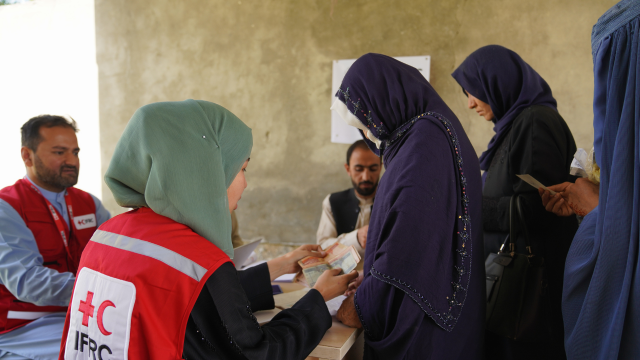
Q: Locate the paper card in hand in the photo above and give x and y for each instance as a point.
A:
(535, 183)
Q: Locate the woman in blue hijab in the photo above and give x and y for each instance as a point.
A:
(602, 280)
(422, 295)
(530, 138)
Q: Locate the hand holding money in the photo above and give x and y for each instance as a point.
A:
(555, 203)
(289, 262)
(331, 284)
(338, 257)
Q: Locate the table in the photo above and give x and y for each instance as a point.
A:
(340, 342)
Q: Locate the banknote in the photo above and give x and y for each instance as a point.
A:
(341, 256)
(338, 256)
(312, 274)
(347, 262)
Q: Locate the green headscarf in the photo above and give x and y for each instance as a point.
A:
(179, 158)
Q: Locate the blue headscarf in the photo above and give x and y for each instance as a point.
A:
(500, 78)
(601, 294)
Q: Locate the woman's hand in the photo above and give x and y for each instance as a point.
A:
(580, 197)
(347, 313)
(331, 284)
(288, 263)
(353, 286)
(555, 203)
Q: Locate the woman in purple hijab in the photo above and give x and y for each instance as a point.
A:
(530, 138)
(423, 292)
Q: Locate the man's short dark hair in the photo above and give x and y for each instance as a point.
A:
(31, 129)
(360, 144)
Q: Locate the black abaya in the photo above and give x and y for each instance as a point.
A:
(540, 144)
(222, 325)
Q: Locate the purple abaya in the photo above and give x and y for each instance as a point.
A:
(422, 296)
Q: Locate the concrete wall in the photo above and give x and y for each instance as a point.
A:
(269, 62)
(48, 66)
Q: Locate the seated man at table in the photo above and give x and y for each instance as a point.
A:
(345, 214)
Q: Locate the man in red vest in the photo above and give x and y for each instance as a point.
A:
(45, 223)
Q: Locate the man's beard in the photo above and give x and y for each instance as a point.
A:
(367, 191)
(53, 178)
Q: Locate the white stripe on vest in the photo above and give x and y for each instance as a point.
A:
(141, 247)
(27, 315)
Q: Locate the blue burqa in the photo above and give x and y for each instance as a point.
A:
(601, 296)
(422, 296)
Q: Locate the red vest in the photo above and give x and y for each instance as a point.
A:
(139, 278)
(34, 210)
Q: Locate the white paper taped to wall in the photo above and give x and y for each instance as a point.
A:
(341, 132)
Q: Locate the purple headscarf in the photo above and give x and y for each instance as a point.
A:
(500, 78)
(425, 235)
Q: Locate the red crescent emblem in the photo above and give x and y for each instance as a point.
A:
(101, 309)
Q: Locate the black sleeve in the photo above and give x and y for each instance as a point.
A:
(542, 146)
(256, 282)
(223, 319)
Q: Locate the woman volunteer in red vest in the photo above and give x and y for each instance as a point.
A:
(157, 282)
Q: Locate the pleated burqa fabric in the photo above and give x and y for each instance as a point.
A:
(179, 158)
(601, 294)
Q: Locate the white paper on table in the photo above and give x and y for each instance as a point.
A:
(242, 253)
(334, 304)
(535, 183)
(251, 259)
(285, 278)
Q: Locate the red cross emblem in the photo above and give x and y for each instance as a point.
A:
(86, 308)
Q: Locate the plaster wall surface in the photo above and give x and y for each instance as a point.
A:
(270, 62)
